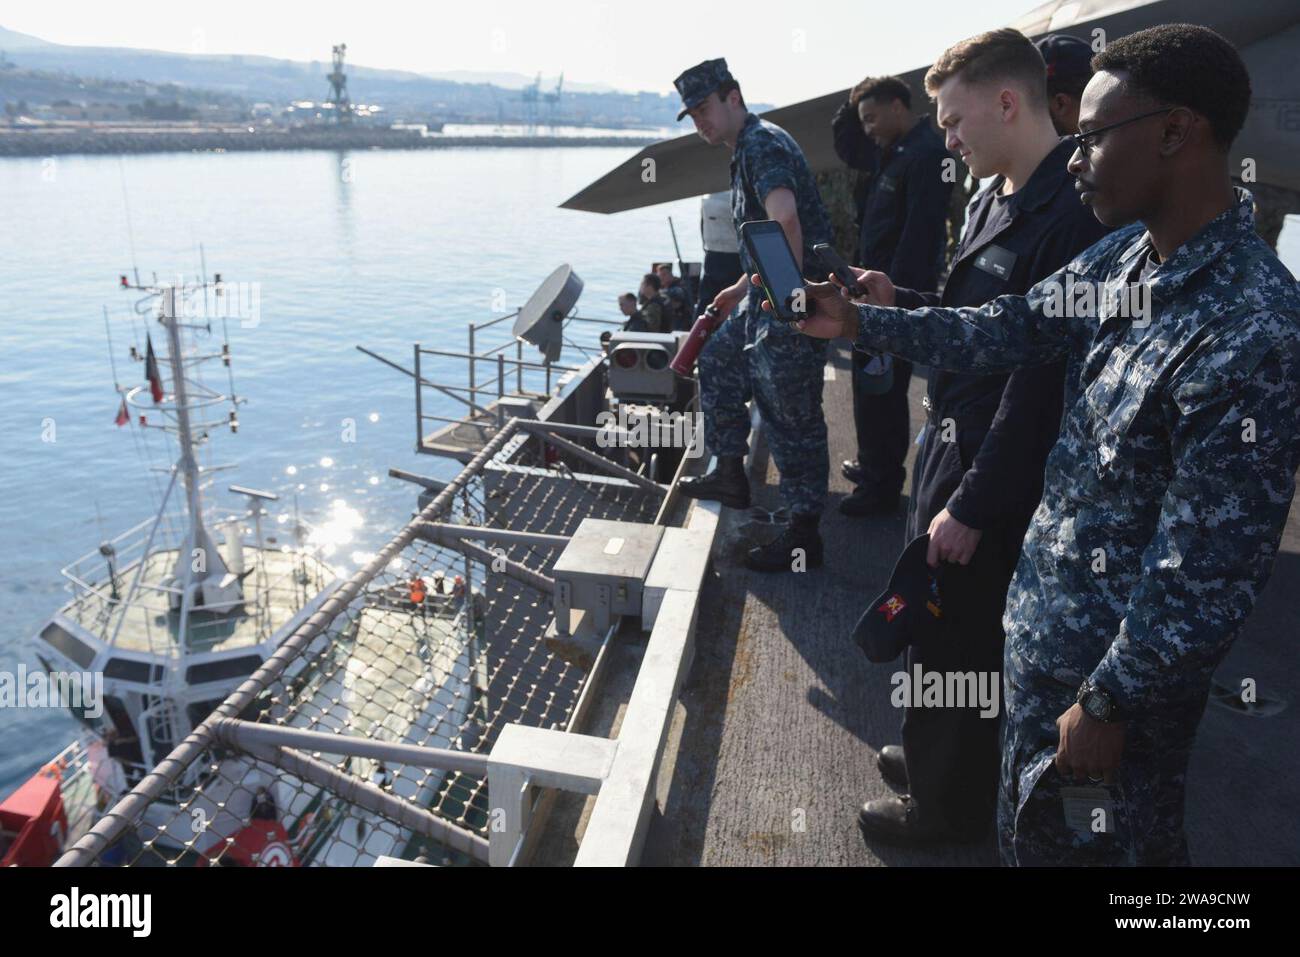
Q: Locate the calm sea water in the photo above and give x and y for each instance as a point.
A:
(377, 248)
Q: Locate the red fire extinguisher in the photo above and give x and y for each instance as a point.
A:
(684, 362)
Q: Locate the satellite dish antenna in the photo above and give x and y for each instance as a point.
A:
(541, 320)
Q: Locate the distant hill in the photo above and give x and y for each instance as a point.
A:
(458, 96)
(517, 81)
(13, 40)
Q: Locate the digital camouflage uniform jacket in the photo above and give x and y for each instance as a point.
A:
(766, 157)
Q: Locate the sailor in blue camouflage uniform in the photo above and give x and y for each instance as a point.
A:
(751, 354)
(1168, 491)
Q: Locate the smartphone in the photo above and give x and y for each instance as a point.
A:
(833, 261)
(765, 241)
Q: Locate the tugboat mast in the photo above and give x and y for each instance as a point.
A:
(200, 561)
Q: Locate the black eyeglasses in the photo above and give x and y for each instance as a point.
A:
(1081, 140)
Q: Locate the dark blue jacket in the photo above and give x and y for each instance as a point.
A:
(1006, 424)
(905, 216)
(857, 151)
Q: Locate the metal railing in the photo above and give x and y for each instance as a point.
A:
(141, 591)
(532, 379)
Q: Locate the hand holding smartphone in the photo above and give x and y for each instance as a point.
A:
(839, 268)
(783, 285)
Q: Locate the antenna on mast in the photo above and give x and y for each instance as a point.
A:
(204, 579)
(126, 205)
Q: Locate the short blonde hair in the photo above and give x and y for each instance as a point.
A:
(1004, 54)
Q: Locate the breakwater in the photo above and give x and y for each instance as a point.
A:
(57, 141)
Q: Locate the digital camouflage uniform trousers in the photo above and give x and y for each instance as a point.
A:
(1136, 820)
(782, 371)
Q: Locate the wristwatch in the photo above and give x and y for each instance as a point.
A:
(1097, 702)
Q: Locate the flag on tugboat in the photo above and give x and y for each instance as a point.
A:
(151, 371)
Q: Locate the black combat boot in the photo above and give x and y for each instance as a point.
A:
(898, 820)
(727, 483)
(780, 554)
(893, 766)
(869, 501)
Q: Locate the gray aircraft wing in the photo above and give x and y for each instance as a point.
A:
(1266, 32)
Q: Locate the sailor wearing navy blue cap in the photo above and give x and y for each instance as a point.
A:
(1069, 68)
(752, 354)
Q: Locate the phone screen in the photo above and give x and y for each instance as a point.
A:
(776, 266)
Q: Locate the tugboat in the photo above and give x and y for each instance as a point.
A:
(169, 617)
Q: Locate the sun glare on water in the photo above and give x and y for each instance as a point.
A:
(339, 527)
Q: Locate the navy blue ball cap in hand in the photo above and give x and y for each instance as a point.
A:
(909, 610)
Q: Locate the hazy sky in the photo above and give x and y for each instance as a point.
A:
(782, 52)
